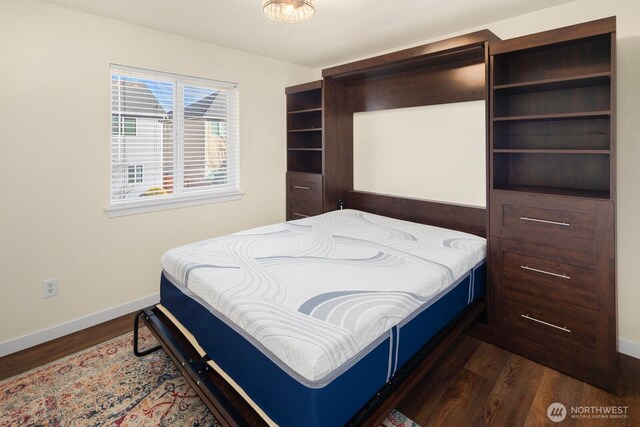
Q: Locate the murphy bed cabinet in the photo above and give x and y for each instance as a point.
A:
(552, 199)
(305, 144)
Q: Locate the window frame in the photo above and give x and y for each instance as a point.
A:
(185, 196)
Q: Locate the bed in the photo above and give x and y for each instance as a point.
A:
(315, 321)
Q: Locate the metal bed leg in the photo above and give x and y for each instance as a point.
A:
(137, 352)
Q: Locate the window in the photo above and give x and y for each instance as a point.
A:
(181, 131)
(134, 172)
(129, 126)
(217, 128)
(125, 126)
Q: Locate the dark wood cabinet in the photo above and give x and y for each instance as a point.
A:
(552, 199)
(305, 149)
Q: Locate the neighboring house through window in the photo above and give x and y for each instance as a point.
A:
(123, 126)
(182, 132)
(134, 173)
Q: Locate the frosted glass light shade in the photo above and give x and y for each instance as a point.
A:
(290, 11)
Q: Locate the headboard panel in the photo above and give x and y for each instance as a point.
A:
(469, 219)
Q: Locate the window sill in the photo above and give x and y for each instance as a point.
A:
(161, 205)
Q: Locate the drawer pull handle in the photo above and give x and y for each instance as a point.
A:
(562, 328)
(300, 187)
(544, 221)
(300, 215)
(562, 276)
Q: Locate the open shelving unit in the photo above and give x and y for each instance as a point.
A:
(304, 128)
(305, 150)
(551, 108)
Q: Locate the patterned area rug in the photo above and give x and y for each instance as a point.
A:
(108, 385)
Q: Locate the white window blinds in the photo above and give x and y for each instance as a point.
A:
(181, 131)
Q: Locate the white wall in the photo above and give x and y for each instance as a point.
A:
(54, 161)
(628, 138)
(389, 146)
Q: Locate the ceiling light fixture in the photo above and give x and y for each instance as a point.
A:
(290, 11)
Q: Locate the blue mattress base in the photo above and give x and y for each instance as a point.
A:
(287, 401)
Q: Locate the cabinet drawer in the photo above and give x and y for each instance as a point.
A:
(527, 268)
(555, 221)
(304, 185)
(303, 207)
(564, 327)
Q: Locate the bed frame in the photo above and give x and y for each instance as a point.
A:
(230, 409)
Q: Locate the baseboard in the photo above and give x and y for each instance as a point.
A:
(30, 340)
(628, 347)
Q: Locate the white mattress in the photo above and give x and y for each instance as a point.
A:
(317, 291)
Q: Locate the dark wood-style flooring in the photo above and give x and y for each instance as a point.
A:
(479, 384)
(39, 355)
(475, 384)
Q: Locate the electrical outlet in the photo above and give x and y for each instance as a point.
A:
(50, 288)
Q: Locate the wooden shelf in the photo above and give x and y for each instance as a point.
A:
(308, 110)
(555, 116)
(305, 130)
(567, 192)
(584, 80)
(581, 133)
(308, 173)
(548, 151)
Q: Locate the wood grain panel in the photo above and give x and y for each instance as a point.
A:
(606, 257)
(303, 87)
(442, 51)
(593, 28)
(509, 208)
(535, 276)
(298, 208)
(304, 185)
(546, 355)
(456, 217)
(577, 341)
(457, 82)
(338, 153)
